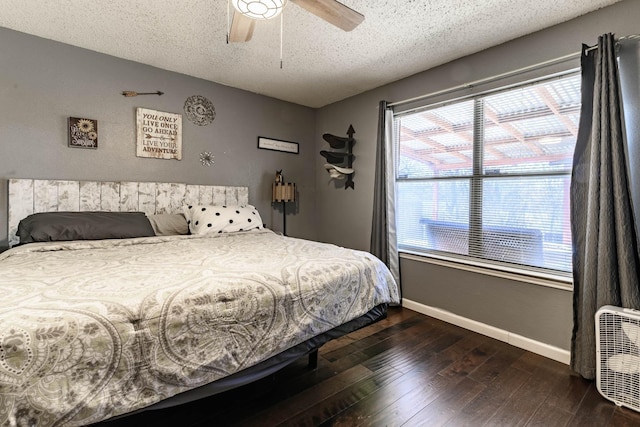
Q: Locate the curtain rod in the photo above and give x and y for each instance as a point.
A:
(489, 79)
(631, 36)
(503, 75)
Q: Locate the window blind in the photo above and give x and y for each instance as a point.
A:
(488, 177)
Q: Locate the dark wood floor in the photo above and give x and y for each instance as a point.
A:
(408, 370)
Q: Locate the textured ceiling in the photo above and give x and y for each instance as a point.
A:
(322, 64)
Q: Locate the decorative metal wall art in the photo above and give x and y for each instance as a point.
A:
(199, 110)
(131, 93)
(335, 159)
(83, 133)
(206, 158)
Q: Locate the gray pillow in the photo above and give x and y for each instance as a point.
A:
(169, 224)
(63, 226)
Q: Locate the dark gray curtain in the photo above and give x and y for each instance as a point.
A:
(605, 250)
(383, 228)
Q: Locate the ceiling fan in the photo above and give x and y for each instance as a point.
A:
(246, 12)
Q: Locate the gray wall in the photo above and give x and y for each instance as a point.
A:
(42, 83)
(344, 216)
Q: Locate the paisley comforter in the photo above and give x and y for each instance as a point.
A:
(94, 329)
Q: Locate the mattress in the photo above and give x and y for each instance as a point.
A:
(94, 329)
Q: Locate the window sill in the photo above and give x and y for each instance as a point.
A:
(556, 282)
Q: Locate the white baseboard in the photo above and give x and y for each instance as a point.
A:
(546, 350)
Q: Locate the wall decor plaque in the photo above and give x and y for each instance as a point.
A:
(83, 133)
(159, 134)
(278, 145)
(199, 110)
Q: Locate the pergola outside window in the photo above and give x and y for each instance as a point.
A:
(487, 178)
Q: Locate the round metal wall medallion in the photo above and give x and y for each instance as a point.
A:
(199, 110)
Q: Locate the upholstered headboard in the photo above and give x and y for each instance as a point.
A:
(28, 196)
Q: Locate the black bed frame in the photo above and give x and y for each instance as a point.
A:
(269, 366)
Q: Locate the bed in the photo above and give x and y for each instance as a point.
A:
(97, 328)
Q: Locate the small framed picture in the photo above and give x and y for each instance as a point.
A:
(278, 145)
(83, 133)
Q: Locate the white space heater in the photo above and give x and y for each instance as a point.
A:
(618, 355)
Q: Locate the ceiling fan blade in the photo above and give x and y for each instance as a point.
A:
(241, 28)
(333, 12)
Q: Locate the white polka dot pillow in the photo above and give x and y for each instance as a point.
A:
(221, 219)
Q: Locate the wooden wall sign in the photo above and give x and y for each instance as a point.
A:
(83, 133)
(159, 134)
(278, 145)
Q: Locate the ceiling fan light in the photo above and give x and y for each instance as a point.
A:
(259, 9)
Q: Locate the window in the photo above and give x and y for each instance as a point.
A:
(487, 178)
